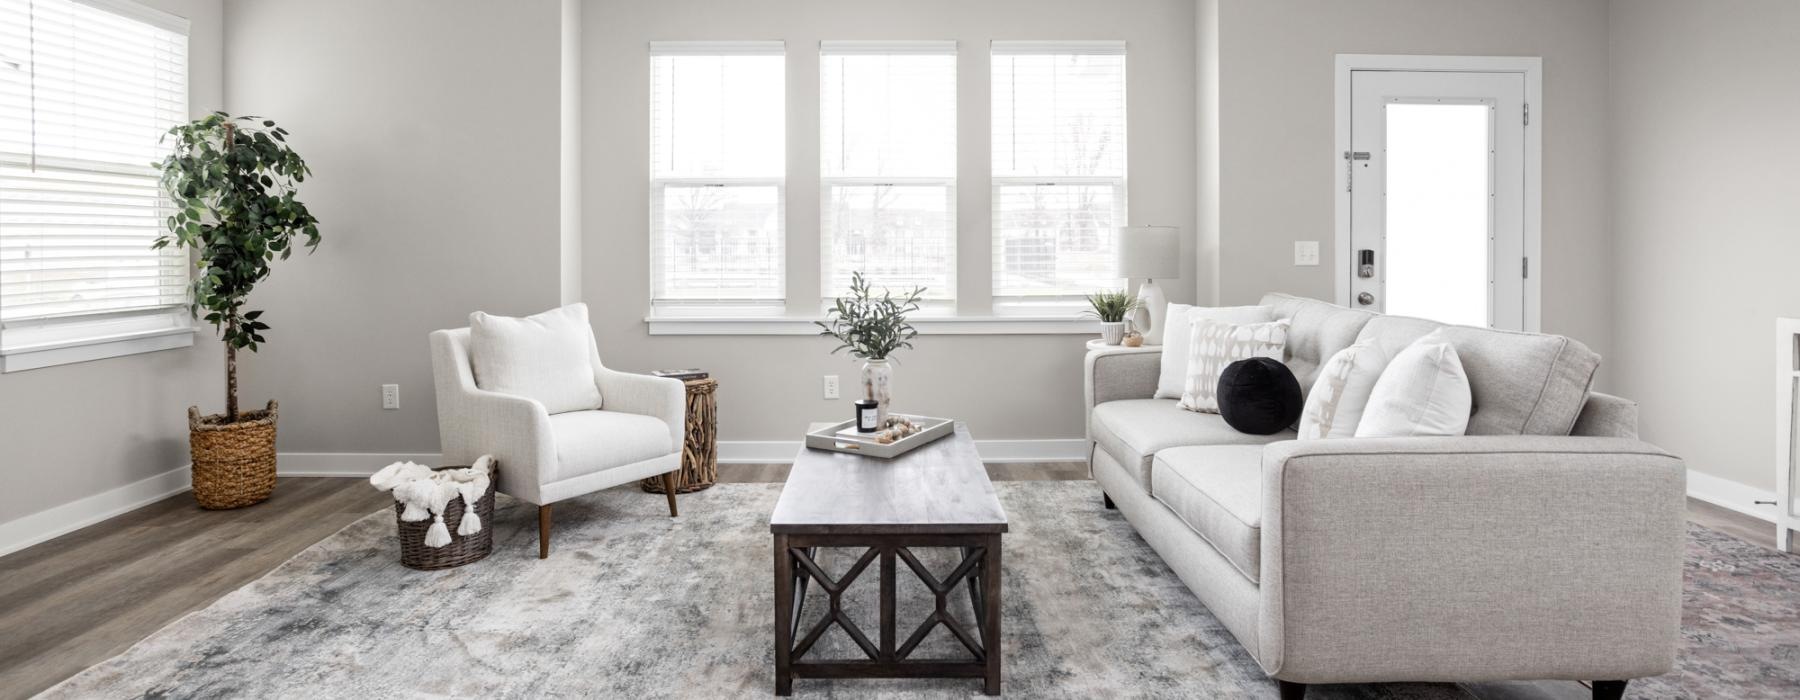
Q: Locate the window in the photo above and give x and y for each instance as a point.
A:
(718, 166)
(1058, 169)
(887, 146)
(85, 96)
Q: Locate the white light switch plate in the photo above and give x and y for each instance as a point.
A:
(1306, 253)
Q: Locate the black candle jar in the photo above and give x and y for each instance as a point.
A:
(867, 415)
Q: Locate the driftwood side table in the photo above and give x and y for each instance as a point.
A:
(700, 448)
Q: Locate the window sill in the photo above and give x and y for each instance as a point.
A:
(927, 325)
(62, 344)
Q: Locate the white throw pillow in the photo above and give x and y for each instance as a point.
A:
(547, 356)
(1214, 345)
(1171, 380)
(1335, 404)
(1424, 391)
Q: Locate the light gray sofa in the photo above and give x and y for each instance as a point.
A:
(1552, 554)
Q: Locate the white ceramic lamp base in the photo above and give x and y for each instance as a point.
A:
(1149, 319)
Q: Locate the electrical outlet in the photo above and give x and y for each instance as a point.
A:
(831, 386)
(390, 396)
(1306, 253)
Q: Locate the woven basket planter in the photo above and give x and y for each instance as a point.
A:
(462, 549)
(234, 463)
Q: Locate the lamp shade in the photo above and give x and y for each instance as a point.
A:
(1149, 252)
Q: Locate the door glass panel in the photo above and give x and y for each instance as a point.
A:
(1438, 212)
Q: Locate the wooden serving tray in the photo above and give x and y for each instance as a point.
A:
(834, 437)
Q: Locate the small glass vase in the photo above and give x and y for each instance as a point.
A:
(877, 377)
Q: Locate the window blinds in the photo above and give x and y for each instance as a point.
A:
(87, 90)
(718, 167)
(887, 123)
(1058, 167)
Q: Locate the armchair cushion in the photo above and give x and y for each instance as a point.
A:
(547, 357)
(593, 441)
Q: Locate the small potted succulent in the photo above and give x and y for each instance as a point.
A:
(1111, 307)
(872, 328)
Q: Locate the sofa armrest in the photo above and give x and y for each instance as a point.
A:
(1115, 374)
(1470, 558)
(1605, 415)
(658, 397)
(473, 422)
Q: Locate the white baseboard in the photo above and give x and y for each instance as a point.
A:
(345, 463)
(1730, 495)
(783, 451)
(43, 525)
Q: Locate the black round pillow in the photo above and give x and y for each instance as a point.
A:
(1259, 396)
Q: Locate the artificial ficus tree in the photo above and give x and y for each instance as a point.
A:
(231, 183)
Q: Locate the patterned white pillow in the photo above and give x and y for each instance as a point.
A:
(1215, 344)
(1178, 329)
(1342, 391)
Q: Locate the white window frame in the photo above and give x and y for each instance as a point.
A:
(37, 343)
(945, 304)
(1006, 306)
(659, 186)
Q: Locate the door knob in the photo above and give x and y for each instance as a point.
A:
(1365, 299)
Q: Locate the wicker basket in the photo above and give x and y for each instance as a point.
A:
(234, 463)
(462, 549)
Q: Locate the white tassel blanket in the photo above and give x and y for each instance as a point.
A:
(426, 494)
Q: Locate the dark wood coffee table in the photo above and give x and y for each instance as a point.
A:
(935, 496)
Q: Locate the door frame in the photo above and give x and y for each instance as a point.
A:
(1532, 68)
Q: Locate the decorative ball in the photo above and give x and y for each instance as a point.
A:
(1259, 396)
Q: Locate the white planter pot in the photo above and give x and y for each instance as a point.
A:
(877, 378)
(1112, 332)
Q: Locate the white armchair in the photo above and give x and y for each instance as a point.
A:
(545, 458)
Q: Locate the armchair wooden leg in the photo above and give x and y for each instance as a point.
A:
(669, 488)
(1609, 690)
(544, 532)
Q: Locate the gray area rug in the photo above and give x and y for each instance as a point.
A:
(632, 603)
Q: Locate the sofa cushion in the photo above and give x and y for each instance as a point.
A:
(1316, 331)
(1523, 383)
(592, 441)
(1134, 430)
(1217, 491)
(1391, 334)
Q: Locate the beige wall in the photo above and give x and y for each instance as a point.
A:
(74, 431)
(1007, 387)
(1276, 118)
(1705, 98)
(431, 127)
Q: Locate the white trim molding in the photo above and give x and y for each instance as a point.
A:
(49, 342)
(346, 463)
(1532, 68)
(44, 525)
(1730, 495)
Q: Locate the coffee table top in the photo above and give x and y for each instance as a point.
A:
(937, 488)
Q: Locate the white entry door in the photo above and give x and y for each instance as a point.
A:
(1436, 179)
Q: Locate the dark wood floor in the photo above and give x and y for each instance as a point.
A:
(81, 598)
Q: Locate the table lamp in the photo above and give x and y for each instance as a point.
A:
(1146, 253)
